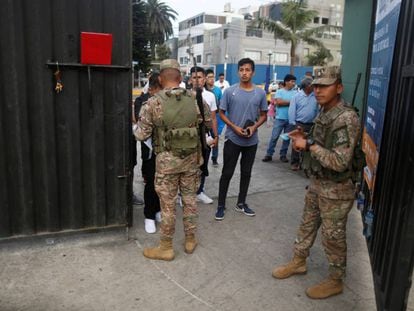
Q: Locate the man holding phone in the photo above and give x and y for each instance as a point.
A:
(243, 108)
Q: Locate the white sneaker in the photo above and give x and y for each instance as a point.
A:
(158, 217)
(202, 197)
(150, 225)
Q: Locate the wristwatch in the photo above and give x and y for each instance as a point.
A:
(309, 142)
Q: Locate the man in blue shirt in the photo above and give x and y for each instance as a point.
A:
(282, 102)
(302, 111)
(243, 108)
(220, 124)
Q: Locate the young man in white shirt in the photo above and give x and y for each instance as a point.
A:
(198, 80)
(221, 83)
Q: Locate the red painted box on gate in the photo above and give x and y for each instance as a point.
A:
(96, 48)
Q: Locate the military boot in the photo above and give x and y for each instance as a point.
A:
(164, 251)
(327, 288)
(296, 266)
(190, 243)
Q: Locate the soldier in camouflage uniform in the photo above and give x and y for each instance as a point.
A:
(329, 150)
(172, 119)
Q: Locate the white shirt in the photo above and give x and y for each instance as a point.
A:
(223, 85)
(210, 99)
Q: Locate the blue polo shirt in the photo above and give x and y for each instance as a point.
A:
(282, 113)
(303, 108)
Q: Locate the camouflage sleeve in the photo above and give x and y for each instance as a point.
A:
(145, 122)
(345, 137)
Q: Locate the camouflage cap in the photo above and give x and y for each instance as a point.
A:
(169, 63)
(327, 75)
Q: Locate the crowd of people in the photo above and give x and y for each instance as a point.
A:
(179, 130)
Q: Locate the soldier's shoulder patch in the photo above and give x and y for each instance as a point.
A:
(340, 136)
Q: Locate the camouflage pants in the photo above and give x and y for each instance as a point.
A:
(167, 186)
(333, 215)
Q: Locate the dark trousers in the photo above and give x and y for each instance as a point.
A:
(204, 170)
(152, 202)
(231, 153)
(295, 156)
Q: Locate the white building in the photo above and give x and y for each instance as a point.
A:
(226, 37)
(191, 34)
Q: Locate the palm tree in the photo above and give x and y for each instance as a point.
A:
(320, 57)
(293, 27)
(140, 51)
(163, 52)
(159, 16)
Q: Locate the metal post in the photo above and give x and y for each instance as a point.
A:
(225, 66)
(268, 73)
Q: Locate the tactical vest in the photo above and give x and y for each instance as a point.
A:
(178, 128)
(322, 133)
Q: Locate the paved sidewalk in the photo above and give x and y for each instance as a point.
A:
(230, 269)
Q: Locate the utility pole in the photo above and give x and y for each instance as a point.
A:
(190, 45)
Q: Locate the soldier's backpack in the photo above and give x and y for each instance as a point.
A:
(178, 132)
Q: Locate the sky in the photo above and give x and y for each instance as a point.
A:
(188, 8)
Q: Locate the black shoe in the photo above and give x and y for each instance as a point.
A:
(284, 159)
(244, 208)
(215, 163)
(267, 159)
(220, 213)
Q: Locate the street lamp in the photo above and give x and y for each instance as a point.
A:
(268, 72)
(225, 66)
(270, 57)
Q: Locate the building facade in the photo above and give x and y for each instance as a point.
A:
(226, 37)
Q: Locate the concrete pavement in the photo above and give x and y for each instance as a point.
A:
(230, 269)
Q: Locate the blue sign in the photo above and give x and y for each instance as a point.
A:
(386, 25)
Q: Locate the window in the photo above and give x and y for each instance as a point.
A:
(254, 55)
(316, 20)
(281, 57)
(212, 19)
(194, 40)
(199, 39)
(184, 60)
(325, 20)
(198, 59)
(254, 32)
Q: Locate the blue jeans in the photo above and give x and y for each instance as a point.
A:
(279, 126)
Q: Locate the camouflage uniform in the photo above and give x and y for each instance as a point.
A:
(330, 195)
(173, 173)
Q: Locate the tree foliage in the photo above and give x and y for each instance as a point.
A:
(293, 27)
(152, 25)
(320, 57)
(140, 39)
(159, 22)
(163, 52)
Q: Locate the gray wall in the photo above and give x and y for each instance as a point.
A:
(355, 47)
